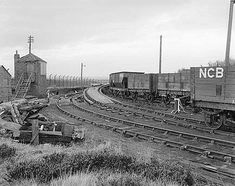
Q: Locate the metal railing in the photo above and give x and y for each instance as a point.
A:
(71, 81)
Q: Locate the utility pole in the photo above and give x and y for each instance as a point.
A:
(160, 56)
(229, 33)
(81, 72)
(30, 41)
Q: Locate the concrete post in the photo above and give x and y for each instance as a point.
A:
(229, 33)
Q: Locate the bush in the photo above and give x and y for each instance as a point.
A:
(6, 151)
(58, 164)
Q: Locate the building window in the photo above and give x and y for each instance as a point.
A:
(218, 90)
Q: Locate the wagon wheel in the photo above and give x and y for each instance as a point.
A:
(214, 121)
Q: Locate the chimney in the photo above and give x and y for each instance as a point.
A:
(16, 58)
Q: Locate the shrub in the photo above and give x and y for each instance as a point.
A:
(6, 151)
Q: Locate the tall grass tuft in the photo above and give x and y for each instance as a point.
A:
(6, 151)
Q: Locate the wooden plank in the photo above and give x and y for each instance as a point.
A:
(231, 69)
(229, 95)
(178, 77)
(138, 81)
(230, 88)
(55, 133)
(35, 132)
(171, 77)
(175, 86)
(186, 86)
(25, 137)
(9, 125)
(205, 92)
(207, 98)
(153, 82)
(205, 86)
(216, 100)
(211, 81)
(230, 83)
(230, 75)
(161, 85)
(163, 77)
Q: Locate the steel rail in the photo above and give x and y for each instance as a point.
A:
(204, 129)
(114, 109)
(182, 146)
(163, 141)
(151, 110)
(164, 130)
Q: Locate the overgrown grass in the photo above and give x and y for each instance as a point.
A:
(6, 151)
(55, 165)
(99, 179)
(100, 164)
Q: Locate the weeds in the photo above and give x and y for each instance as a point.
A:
(6, 151)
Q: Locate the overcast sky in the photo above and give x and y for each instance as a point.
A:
(115, 35)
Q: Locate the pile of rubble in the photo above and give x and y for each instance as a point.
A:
(19, 113)
(21, 120)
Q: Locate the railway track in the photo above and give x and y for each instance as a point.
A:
(165, 131)
(120, 112)
(155, 134)
(159, 115)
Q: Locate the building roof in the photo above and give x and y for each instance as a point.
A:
(127, 72)
(5, 70)
(30, 58)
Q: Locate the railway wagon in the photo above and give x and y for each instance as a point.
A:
(150, 86)
(213, 89)
(119, 80)
(175, 84)
(133, 84)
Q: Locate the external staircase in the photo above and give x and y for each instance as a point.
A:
(22, 87)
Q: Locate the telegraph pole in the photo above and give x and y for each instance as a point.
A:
(160, 56)
(30, 41)
(81, 72)
(229, 33)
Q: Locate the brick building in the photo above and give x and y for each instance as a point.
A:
(5, 85)
(30, 75)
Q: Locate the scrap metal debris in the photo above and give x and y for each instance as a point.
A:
(18, 118)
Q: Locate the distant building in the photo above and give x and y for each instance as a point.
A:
(5, 85)
(30, 75)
